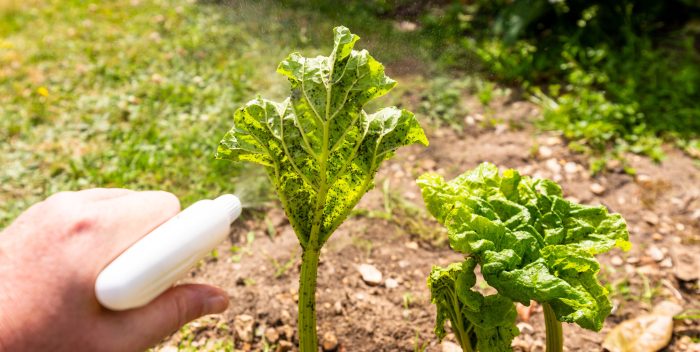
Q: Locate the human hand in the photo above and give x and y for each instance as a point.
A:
(50, 257)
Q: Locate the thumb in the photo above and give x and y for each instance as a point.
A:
(170, 311)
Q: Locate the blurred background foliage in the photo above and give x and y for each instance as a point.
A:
(136, 93)
(613, 76)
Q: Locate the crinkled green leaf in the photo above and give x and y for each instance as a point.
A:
(531, 243)
(320, 148)
(485, 323)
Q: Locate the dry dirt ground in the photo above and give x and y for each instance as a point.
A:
(661, 205)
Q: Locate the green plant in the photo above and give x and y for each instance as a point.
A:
(530, 244)
(321, 149)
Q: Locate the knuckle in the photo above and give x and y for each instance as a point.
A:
(168, 202)
(81, 220)
(181, 309)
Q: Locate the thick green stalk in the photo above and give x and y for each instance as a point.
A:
(458, 325)
(555, 338)
(308, 341)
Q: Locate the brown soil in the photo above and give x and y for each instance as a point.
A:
(660, 204)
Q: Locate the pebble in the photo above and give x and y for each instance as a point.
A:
(286, 331)
(570, 167)
(616, 261)
(285, 316)
(501, 128)
(553, 166)
(666, 263)
(338, 308)
(597, 188)
(632, 260)
(411, 245)
(447, 346)
(284, 346)
(271, 335)
(655, 253)
(545, 152)
(330, 342)
(391, 283)
(657, 236)
(651, 218)
(686, 264)
(370, 274)
(243, 326)
(553, 141)
(525, 328)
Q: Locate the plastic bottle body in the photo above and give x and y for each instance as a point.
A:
(154, 263)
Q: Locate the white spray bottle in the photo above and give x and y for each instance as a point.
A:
(153, 264)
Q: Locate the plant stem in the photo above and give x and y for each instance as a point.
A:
(555, 338)
(308, 341)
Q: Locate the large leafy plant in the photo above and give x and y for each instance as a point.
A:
(530, 244)
(320, 148)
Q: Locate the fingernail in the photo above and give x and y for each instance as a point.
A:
(216, 304)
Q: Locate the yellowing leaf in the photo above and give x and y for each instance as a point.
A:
(320, 148)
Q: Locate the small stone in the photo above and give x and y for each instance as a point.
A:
(411, 245)
(570, 167)
(243, 326)
(686, 264)
(284, 346)
(666, 263)
(271, 335)
(447, 346)
(370, 274)
(613, 164)
(668, 308)
(525, 328)
(501, 128)
(597, 188)
(657, 236)
(338, 308)
(655, 253)
(632, 260)
(680, 227)
(286, 331)
(616, 261)
(360, 296)
(545, 152)
(695, 215)
(330, 342)
(552, 141)
(651, 218)
(285, 316)
(553, 166)
(407, 26)
(391, 283)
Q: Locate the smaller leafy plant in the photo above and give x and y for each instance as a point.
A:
(530, 244)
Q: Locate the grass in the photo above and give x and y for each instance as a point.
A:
(136, 94)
